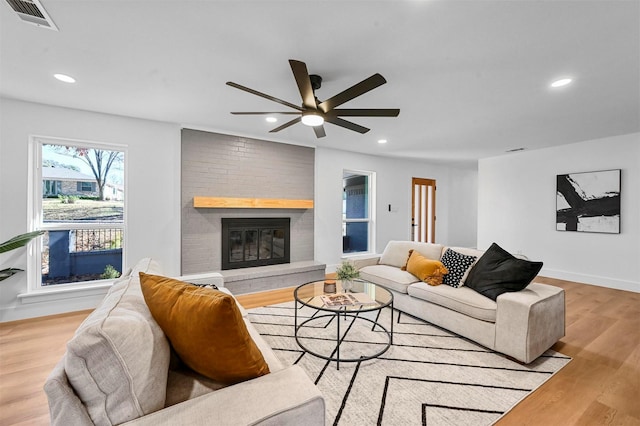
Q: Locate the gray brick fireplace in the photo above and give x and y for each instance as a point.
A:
(217, 165)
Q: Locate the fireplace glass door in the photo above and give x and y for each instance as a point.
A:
(251, 242)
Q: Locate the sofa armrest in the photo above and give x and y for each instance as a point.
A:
(285, 397)
(361, 262)
(65, 408)
(530, 321)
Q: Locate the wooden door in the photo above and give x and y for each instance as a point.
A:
(423, 210)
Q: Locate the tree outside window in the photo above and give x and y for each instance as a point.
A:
(82, 212)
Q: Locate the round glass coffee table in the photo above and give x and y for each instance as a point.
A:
(340, 305)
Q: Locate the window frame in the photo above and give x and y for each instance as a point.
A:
(34, 213)
(371, 212)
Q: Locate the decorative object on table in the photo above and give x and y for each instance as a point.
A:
(329, 286)
(346, 273)
(348, 299)
(588, 202)
(12, 244)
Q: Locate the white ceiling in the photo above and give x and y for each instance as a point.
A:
(471, 78)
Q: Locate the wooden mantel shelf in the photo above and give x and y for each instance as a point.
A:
(250, 203)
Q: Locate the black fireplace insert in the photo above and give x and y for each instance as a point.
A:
(248, 242)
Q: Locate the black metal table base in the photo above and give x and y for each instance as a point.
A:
(337, 315)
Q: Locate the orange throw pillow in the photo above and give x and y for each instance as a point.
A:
(430, 271)
(205, 327)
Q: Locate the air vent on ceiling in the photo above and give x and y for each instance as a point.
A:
(515, 150)
(31, 11)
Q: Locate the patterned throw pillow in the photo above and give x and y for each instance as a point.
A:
(457, 264)
(206, 285)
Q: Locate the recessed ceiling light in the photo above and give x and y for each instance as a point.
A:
(271, 119)
(562, 82)
(65, 78)
(382, 141)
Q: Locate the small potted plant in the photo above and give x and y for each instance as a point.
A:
(346, 273)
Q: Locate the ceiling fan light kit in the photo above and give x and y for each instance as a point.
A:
(312, 119)
(315, 113)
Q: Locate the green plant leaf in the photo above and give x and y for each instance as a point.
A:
(19, 241)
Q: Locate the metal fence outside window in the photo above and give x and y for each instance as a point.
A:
(96, 239)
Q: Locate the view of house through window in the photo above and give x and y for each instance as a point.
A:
(80, 204)
(356, 211)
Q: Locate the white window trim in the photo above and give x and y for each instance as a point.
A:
(34, 222)
(372, 213)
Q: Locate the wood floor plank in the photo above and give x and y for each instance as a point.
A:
(623, 385)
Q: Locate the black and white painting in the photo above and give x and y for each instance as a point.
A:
(589, 202)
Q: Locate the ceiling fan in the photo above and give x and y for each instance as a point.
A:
(314, 112)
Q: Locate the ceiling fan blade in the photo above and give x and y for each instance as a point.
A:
(303, 80)
(364, 112)
(346, 124)
(287, 124)
(319, 131)
(262, 112)
(263, 95)
(354, 91)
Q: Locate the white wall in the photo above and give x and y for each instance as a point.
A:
(455, 200)
(153, 191)
(517, 204)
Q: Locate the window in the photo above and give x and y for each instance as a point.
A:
(86, 186)
(357, 211)
(73, 202)
(51, 187)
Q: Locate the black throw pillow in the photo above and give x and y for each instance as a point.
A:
(497, 272)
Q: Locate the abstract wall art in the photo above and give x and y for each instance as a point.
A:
(588, 202)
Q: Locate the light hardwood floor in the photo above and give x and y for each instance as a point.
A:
(600, 386)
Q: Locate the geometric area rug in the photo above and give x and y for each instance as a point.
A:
(429, 376)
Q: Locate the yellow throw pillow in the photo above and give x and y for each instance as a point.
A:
(404, 267)
(205, 327)
(430, 271)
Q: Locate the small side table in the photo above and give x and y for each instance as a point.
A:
(309, 294)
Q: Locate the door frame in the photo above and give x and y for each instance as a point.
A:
(424, 210)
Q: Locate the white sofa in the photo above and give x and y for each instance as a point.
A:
(119, 363)
(522, 324)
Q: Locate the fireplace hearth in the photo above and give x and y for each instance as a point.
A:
(249, 242)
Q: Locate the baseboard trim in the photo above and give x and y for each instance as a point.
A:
(592, 280)
(43, 309)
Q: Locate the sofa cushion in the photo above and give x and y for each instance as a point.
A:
(396, 253)
(427, 270)
(499, 272)
(206, 329)
(457, 264)
(388, 276)
(117, 362)
(463, 300)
